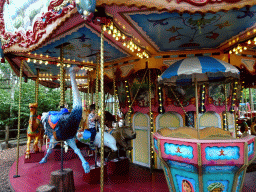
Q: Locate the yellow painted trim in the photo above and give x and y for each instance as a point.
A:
(200, 171)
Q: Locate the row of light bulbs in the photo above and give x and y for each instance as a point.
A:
(79, 81)
(127, 41)
(58, 64)
(240, 49)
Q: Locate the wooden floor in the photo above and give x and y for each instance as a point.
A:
(33, 175)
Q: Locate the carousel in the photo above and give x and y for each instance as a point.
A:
(176, 69)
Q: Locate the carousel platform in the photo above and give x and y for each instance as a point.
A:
(34, 175)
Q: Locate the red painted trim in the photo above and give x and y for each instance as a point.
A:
(32, 37)
(205, 2)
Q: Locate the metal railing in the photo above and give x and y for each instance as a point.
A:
(7, 134)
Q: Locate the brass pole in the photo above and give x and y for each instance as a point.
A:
(37, 85)
(97, 85)
(62, 80)
(151, 124)
(88, 92)
(226, 108)
(197, 118)
(102, 109)
(19, 112)
(114, 96)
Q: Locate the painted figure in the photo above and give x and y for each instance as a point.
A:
(187, 186)
(35, 130)
(63, 125)
(216, 187)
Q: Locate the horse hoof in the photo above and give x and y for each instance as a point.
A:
(86, 167)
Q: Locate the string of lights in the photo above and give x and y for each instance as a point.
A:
(129, 101)
(126, 40)
(202, 100)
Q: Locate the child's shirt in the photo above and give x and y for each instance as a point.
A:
(92, 124)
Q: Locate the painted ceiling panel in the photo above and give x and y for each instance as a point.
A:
(172, 31)
(84, 44)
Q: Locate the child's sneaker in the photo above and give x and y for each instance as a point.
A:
(92, 147)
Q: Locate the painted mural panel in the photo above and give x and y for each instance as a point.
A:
(182, 166)
(250, 149)
(20, 14)
(222, 153)
(215, 182)
(139, 87)
(155, 144)
(167, 178)
(185, 181)
(197, 31)
(217, 93)
(82, 45)
(183, 151)
(185, 95)
(239, 181)
(217, 169)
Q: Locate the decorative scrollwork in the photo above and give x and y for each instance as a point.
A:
(31, 37)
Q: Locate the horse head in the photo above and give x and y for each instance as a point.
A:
(128, 133)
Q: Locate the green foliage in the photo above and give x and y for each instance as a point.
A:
(48, 100)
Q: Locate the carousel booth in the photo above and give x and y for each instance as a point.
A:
(197, 147)
(177, 69)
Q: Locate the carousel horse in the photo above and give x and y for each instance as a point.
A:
(34, 131)
(122, 134)
(63, 125)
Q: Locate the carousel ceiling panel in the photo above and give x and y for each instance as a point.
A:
(173, 31)
(82, 44)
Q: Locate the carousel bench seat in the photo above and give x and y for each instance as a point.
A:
(191, 133)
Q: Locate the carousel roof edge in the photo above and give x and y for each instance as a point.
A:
(183, 6)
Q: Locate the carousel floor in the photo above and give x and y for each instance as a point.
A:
(33, 175)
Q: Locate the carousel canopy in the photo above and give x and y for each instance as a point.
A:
(160, 32)
(201, 69)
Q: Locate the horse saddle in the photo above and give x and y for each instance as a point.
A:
(86, 137)
(54, 117)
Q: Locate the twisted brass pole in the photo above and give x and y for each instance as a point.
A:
(115, 95)
(97, 84)
(102, 109)
(18, 136)
(226, 108)
(62, 80)
(37, 85)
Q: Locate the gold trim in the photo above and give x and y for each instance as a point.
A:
(200, 171)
